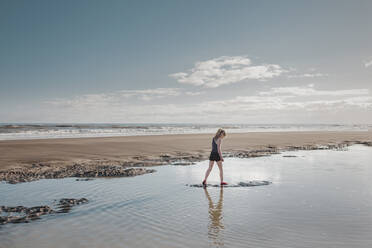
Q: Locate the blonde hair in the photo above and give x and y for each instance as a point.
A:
(219, 132)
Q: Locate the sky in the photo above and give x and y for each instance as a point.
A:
(211, 61)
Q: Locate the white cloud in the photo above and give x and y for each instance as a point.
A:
(368, 63)
(149, 94)
(82, 100)
(226, 70)
(117, 97)
(256, 109)
(281, 103)
(311, 91)
(293, 102)
(194, 93)
(275, 107)
(307, 75)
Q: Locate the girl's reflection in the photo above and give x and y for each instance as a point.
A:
(215, 216)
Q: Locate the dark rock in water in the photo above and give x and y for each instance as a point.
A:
(240, 184)
(39, 172)
(84, 179)
(13, 219)
(289, 156)
(366, 143)
(18, 209)
(182, 163)
(251, 184)
(25, 210)
(27, 213)
(33, 213)
(3, 220)
(111, 171)
(72, 201)
(65, 204)
(251, 153)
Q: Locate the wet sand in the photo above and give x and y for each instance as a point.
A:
(140, 151)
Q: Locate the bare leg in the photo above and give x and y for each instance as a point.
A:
(209, 170)
(219, 163)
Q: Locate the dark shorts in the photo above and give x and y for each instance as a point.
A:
(214, 156)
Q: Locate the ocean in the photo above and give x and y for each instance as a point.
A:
(18, 131)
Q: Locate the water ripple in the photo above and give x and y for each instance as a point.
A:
(306, 206)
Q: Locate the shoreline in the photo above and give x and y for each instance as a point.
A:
(162, 134)
(30, 160)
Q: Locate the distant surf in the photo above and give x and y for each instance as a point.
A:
(14, 131)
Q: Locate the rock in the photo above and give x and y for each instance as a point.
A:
(18, 209)
(33, 213)
(84, 179)
(72, 201)
(17, 219)
(35, 173)
(240, 184)
(65, 204)
(25, 210)
(3, 220)
(252, 183)
(366, 143)
(182, 162)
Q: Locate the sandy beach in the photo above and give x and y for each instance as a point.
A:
(152, 150)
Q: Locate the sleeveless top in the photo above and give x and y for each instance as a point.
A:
(214, 146)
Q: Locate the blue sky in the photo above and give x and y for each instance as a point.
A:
(186, 61)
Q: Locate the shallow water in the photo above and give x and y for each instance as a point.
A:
(317, 199)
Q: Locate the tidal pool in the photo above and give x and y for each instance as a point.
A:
(317, 199)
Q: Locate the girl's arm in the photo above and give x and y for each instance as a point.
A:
(219, 148)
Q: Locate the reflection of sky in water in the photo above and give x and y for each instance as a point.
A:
(317, 199)
(235, 170)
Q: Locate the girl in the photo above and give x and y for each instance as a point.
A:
(216, 155)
